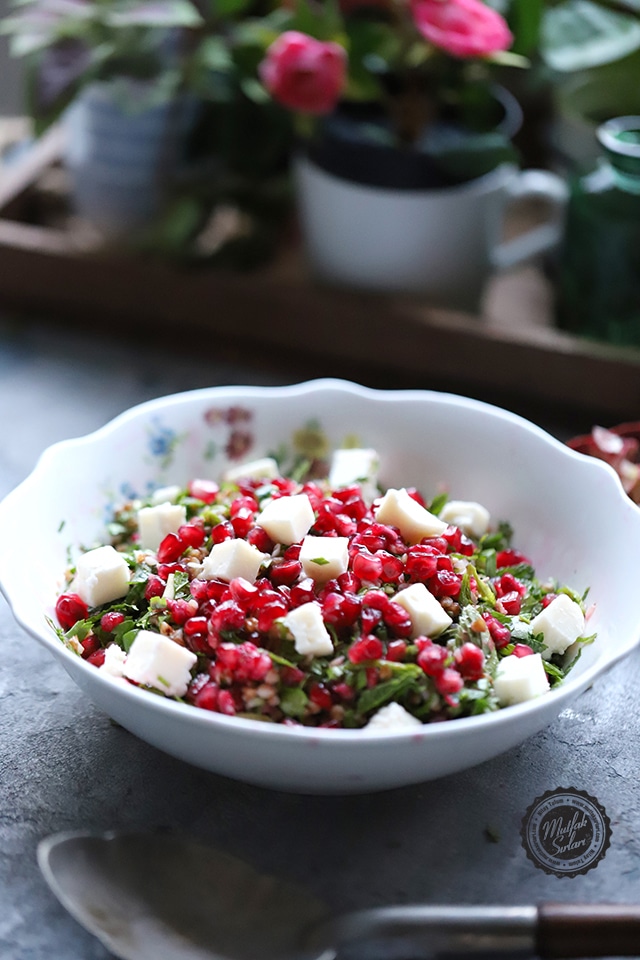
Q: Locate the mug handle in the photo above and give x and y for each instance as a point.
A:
(544, 185)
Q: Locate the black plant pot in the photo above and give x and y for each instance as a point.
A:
(357, 144)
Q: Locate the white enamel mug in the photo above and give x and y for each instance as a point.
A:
(442, 243)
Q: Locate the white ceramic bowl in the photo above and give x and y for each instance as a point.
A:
(569, 513)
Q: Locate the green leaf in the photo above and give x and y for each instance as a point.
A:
(525, 20)
(438, 503)
(293, 701)
(166, 14)
(579, 34)
(375, 697)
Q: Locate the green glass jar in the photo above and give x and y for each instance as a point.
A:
(598, 286)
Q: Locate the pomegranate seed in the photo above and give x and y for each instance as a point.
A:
(507, 583)
(392, 567)
(522, 650)
(548, 598)
(207, 696)
(367, 567)
(416, 495)
(319, 695)
(260, 539)
(511, 602)
(199, 590)
(445, 584)
(154, 588)
(109, 621)
(181, 610)
(448, 682)
(438, 543)
(69, 609)
(422, 562)
(340, 610)
(344, 691)
(96, 658)
(242, 523)
(432, 657)
(369, 541)
(347, 493)
(370, 619)
(500, 633)
(228, 615)
(458, 542)
(171, 548)
(205, 490)
(396, 650)
(286, 572)
(344, 525)
(243, 592)
(243, 503)
(217, 590)
(291, 676)
(398, 620)
(376, 600)
(191, 534)
(469, 660)
(302, 592)
(226, 703)
(348, 582)
(164, 569)
(292, 552)
(284, 485)
(241, 663)
(195, 625)
(510, 558)
(222, 531)
(89, 646)
(366, 648)
(270, 613)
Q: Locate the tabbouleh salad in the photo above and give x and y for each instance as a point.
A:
(319, 602)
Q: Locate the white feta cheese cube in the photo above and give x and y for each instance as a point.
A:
(114, 661)
(102, 575)
(324, 558)
(264, 469)
(156, 661)
(165, 494)
(392, 716)
(561, 623)
(287, 519)
(310, 636)
(231, 559)
(154, 523)
(414, 521)
(428, 619)
(355, 466)
(471, 517)
(520, 678)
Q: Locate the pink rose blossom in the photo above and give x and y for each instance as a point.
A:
(464, 28)
(303, 73)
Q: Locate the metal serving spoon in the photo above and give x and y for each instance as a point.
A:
(162, 896)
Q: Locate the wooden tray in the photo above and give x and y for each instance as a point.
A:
(63, 273)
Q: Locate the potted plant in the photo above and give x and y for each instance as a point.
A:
(118, 69)
(407, 160)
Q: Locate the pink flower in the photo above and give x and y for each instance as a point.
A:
(464, 28)
(304, 74)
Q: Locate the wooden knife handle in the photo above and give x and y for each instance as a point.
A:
(566, 930)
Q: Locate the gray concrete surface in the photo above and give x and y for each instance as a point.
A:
(64, 765)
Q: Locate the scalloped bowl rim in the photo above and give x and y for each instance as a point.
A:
(551, 703)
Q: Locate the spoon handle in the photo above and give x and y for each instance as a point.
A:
(568, 930)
